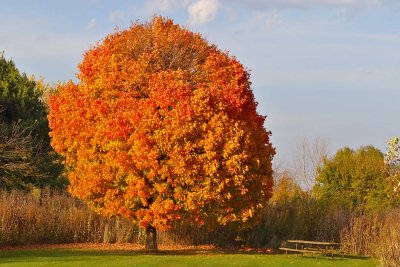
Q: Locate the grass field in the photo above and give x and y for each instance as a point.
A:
(98, 258)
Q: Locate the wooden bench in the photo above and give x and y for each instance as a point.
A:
(302, 251)
(312, 247)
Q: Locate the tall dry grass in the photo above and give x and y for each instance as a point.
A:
(388, 242)
(375, 234)
(361, 233)
(46, 216)
(50, 217)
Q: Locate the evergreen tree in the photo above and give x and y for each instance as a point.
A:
(26, 157)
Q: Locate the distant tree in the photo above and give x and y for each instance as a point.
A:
(392, 161)
(285, 190)
(308, 157)
(163, 127)
(355, 178)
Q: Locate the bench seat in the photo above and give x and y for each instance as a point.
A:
(302, 250)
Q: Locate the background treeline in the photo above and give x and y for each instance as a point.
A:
(347, 197)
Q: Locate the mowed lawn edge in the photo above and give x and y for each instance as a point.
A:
(108, 257)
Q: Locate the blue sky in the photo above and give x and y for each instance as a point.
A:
(326, 69)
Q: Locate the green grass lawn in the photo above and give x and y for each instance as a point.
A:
(75, 257)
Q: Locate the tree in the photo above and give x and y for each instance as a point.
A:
(162, 127)
(18, 158)
(20, 100)
(285, 190)
(26, 158)
(355, 178)
(309, 156)
(392, 161)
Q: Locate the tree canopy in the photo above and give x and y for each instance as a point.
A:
(356, 178)
(163, 126)
(20, 99)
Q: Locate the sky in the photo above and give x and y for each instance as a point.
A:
(320, 69)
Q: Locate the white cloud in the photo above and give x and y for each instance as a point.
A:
(162, 5)
(166, 5)
(117, 15)
(264, 20)
(91, 24)
(203, 11)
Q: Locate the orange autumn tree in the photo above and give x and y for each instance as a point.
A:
(163, 126)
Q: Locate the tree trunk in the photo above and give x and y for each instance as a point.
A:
(151, 238)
